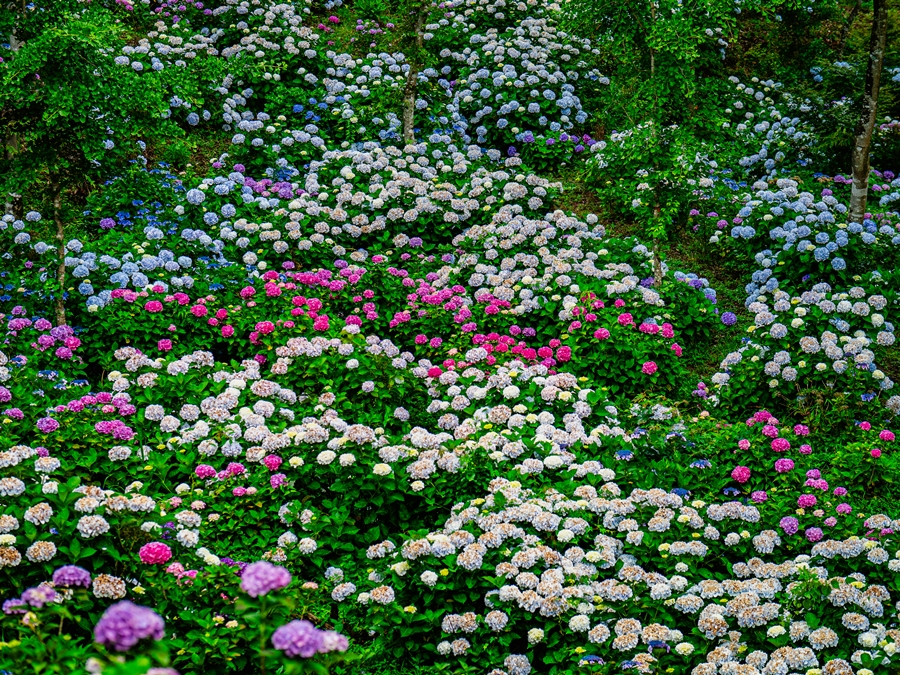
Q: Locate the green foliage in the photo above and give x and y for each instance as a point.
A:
(74, 116)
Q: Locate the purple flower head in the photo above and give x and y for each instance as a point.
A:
(729, 318)
(72, 575)
(789, 525)
(806, 501)
(62, 332)
(813, 534)
(39, 596)
(759, 496)
(47, 425)
(107, 223)
(297, 638)
(125, 624)
(14, 606)
(262, 577)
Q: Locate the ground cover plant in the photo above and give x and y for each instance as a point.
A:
(474, 336)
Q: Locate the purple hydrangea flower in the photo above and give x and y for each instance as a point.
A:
(14, 606)
(262, 577)
(39, 596)
(47, 425)
(729, 318)
(301, 638)
(297, 638)
(790, 525)
(125, 624)
(72, 575)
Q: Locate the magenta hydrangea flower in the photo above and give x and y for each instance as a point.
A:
(155, 553)
(272, 462)
(784, 465)
(805, 449)
(844, 509)
(649, 368)
(205, 471)
(831, 521)
(262, 577)
(125, 624)
(759, 496)
(741, 474)
(781, 445)
(806, 501)
(886, 435)
(744, 444)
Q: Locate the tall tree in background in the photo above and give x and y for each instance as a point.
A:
(415, 13)
(52, 91)
(862, 137)
(657, 54)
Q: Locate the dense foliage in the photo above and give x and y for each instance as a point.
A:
(595, 372)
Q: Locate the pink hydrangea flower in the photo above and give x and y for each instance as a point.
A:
(272, 462)
(155, 553)
(649, 368)
(780, 445)
(741, 474)
(806, 501)
(205, 471)
(784, 465)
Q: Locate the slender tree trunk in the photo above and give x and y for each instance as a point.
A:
(410, 91)
(862, 137)
(61, 252)
(13, 201)
(657, 261)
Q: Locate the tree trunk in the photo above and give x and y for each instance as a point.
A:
(657, 261)
(409, 104)
(13, 201)
(862, 137)
(61, 252)
(410, 91)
